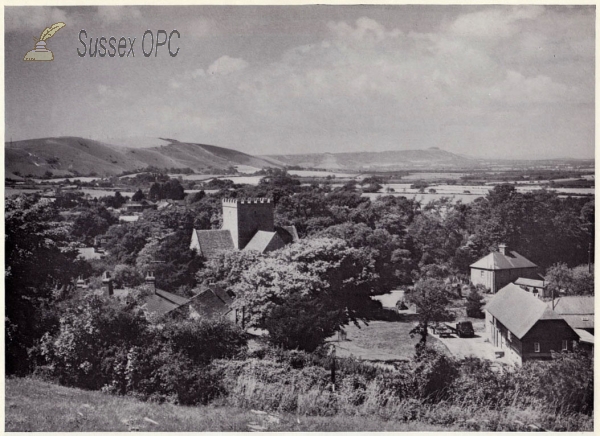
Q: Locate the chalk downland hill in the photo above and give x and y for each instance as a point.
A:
(67, 156)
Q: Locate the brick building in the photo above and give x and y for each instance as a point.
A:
(502, 267)
(525, 327)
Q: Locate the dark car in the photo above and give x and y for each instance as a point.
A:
(465, 329)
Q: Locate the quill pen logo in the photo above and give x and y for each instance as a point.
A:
(40, 52)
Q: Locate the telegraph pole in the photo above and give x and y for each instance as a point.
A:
(590, 258)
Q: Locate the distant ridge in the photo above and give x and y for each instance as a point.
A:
(430, 158)
(68, 155)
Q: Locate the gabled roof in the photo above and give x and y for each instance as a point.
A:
(163, 302)
(264, 241)
(585, 336)
(518, 310)
(578, 311)
(213, 241)
(498, 261)
(211, 301)
(529, 282)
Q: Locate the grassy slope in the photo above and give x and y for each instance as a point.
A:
(60, 155)
(33, 405)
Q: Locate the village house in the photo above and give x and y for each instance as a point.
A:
(578, 311)
(536, 287)
(248, 224)
(502, 267)
(526, 328)
(159, 303)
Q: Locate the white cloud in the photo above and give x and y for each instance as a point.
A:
(226, 65)
(494, 23)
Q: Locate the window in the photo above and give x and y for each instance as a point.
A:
(565, 345)
(481, 273)
(536, 347)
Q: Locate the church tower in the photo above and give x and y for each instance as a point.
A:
(244, 217)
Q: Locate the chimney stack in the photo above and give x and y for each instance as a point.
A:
(502, 248)
(107, 285)
(150, 281)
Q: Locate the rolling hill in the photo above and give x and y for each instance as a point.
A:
(431, 158)
(79, 156)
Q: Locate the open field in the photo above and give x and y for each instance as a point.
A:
(384, 341)
(33, 405)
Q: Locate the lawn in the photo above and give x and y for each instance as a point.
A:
(382, 341)
(33, 405)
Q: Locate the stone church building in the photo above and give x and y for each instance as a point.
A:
(248, 224)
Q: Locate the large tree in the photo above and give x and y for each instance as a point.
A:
(306, 291)
(40, 261)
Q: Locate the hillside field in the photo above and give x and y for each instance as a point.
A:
(34, 405)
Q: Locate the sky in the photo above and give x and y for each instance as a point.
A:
(483, 81)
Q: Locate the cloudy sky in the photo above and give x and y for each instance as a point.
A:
(490, 81)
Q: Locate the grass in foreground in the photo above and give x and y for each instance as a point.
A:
(33, 405)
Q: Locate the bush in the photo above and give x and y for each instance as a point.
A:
(101, 344)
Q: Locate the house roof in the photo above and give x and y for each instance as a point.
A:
(163, 302)
(519, 310)
(260, 241)
(498, 261)
(211, 301)
(529, 282)
(578, 311)
(213, 241)
(585, 336)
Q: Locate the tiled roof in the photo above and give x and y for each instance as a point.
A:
(213, 241)
(529, 282)
(519, 310)
(176, 299)
(497, 261)
(578, 311)
(262, 241)
(208, 304)
(163, 302)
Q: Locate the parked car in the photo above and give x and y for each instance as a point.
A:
(465, 329)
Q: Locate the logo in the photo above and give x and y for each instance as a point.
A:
(41, 53)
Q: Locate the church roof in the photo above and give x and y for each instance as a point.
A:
(498, 261)
(518, 310)
(263, 240)
(213, 241)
